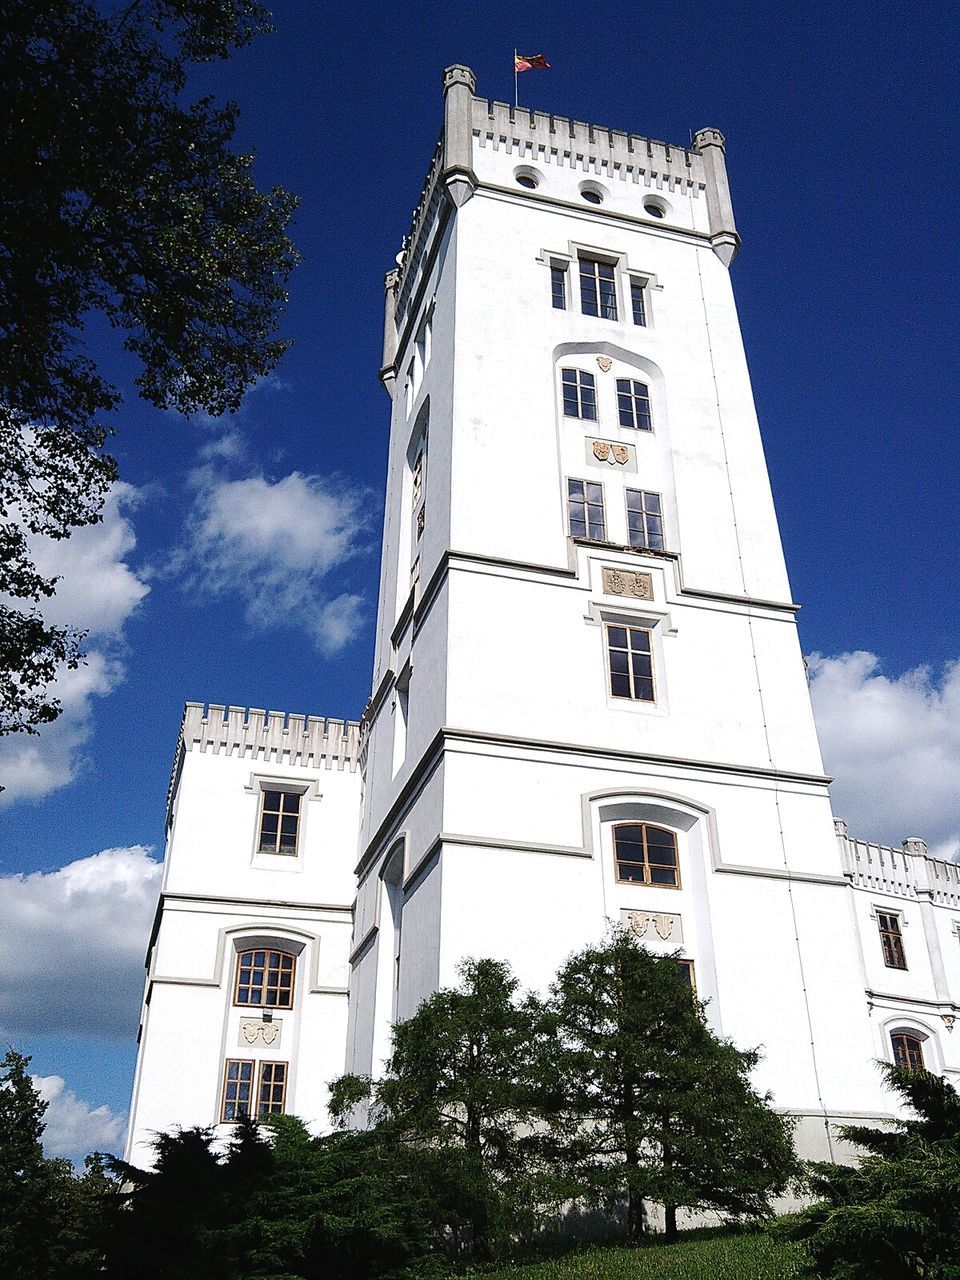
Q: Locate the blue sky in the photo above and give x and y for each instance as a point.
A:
(841, 123)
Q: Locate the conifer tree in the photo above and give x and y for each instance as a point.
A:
(896, 1214)
(656, 1107)
(464, 1084)
(24, 1176)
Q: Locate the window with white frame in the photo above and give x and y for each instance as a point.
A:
(638, 300)
(630, 662)
(598, 288)
(579, 394)
(424, 342)
(633, 404)
(279, 826)
(558, 287)
(585, 510)
(644, 519)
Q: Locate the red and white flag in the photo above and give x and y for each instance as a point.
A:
(530, 63)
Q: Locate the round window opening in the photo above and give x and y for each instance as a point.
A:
(526, 177)
(655, 208)
(591, 196)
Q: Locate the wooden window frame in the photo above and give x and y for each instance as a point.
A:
(582, 380)
(264, 985)
(275, 788)
(632, 696)
(640, 420)
(648, 543)
(272, 1084)
(905, 1052)
(687, 964)
(647, 882)
(571, 501)
(891, 939)
(590, 277)
(240, 1062)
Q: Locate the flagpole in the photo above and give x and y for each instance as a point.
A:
(516, 81)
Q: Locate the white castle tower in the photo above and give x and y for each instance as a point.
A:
(590, 698)
(589, 702)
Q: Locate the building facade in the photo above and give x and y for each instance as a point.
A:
(589, 702)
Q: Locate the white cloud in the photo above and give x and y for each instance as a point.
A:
(97, 592)
(73, 1127)
(72, 945)
(273, 543)
(893, 746)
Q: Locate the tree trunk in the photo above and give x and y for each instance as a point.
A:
(635, 1227)
(670, 1223)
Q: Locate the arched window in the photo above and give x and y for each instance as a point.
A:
(907, 1050)
(646, 854)
(265, 979)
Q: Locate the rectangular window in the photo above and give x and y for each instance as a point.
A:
(279, 822)
(638, 300)
(687, 974)
(272, 1089)
(630, 652)
(644, 519)
(579, 394)
(558, 287)
(585, 509)
(598, 289)
(891, 940)
(646, 854)
(907, 1051)
(416, 487)
(237, 1089)
(633, 404)
(265, 978)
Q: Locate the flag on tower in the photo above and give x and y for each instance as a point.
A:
(530, 63)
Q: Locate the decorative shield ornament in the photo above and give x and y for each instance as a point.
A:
(664, 926)
(601, 450)
(639, 922)
(250, 1031)
(621, 453)
(605, 363)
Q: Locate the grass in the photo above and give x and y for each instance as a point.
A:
(751, 1256)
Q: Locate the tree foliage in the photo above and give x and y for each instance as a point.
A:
(278, 1205)
(656, 1107)
(52, 1222)
(122, 202)
(897, 1213)
(465, 1085)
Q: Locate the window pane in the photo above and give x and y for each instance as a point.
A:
(644, 690)
(271, 800)
(620, 686)
(618, 661)
(617, 636)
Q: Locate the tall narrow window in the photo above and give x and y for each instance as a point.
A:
(598, 289)
(265, 979)
(558, 287)
(272, 1088)
(891, 940)
(237, 1089)
(646, 854)
(907, 1051)
(585, 509)
(579, 394)
(638, 301)
(687, 974)
(644, 519)
(630, 653)
(633, 404)
(279, 822)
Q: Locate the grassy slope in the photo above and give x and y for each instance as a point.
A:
(717, 1257)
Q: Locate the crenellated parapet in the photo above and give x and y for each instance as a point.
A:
(274, 737)
(908, 872)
